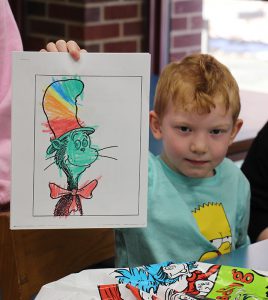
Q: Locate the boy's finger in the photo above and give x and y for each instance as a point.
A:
(61, 46)
(51, 47)
(72, 45)
(74, 49)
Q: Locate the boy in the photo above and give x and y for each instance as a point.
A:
(198, 200)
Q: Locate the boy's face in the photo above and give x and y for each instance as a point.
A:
(194, 144)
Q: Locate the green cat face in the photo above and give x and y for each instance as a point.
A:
(78, 151)
(73, 151)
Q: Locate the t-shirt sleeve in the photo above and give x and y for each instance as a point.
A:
(244, 213)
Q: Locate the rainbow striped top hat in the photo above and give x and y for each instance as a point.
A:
(60, 107)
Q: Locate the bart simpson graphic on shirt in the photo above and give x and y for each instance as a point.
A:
(213, 224)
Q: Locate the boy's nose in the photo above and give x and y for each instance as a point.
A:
(199, 146)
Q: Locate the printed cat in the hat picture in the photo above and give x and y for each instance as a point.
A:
(70, 145)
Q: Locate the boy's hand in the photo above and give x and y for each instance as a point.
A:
(63, 46)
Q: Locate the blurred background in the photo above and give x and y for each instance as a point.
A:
(235, 31)
(168, 29)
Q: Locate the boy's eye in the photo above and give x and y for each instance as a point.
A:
(184, 129)
(216, 131)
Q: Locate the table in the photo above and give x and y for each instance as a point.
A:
(254, 256)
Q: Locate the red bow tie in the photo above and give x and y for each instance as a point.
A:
(85, 192)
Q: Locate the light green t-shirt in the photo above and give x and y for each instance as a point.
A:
(188, 218)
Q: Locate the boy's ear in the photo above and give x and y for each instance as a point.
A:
(236, 128)
(155, 125)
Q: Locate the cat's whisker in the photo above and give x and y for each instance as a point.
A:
(50, 157)
(107, 147)
(49, 165)
(108, 157)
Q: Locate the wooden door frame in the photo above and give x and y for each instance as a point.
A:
(159, 33)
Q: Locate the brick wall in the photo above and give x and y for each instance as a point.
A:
(186, 27)
(97, 25)
(111, 25)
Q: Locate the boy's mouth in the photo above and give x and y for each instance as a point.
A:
(197, 162)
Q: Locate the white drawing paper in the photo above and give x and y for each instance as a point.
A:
(79, 140)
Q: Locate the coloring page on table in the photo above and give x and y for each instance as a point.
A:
(84, 136)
